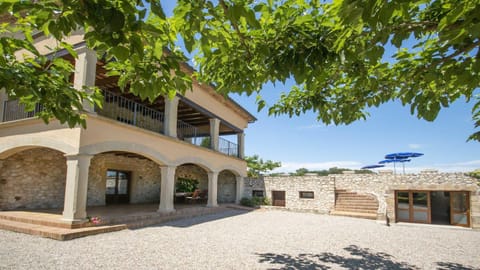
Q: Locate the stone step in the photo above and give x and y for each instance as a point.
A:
(373, 211)
(44, 219)
(354, 214)
(357, 202)
(355, 197)
(353, 206)
(375, 204)
(56, 232)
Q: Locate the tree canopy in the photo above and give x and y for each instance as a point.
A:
(334, 51)
(256, 166)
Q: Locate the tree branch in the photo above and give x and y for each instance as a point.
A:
(237, 29)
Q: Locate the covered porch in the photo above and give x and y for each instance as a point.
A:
(48, 222)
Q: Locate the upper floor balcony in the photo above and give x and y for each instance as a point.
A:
(200, 117)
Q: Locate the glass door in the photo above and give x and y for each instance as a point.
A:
(117, 186)
(420, 207)
(413, 206)
(403, 206)
(459, 208)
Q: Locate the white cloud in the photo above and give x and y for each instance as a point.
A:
(313, 126)
(293, 166)
(415, 146)
(466, 166)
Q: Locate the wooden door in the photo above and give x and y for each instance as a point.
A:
(460, 208)
(278, 198)
(117, 187)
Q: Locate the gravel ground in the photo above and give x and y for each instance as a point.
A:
(252, 240)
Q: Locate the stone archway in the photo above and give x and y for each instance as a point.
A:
(227, 187)
(33, 178)
(142, 182)
(191, 184)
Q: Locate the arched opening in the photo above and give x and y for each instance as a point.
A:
(191, 185)
(227, 187)
(33, 178)
(118, 177)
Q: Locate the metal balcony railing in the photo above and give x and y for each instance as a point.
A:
(130, 112)
(13, 110)
(227, 147)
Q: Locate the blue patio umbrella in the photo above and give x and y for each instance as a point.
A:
(395, 161)
(372, 166)
(403, 155)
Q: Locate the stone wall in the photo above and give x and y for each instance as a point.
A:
(226, 187)
(382, 186)
(144, 183)
(322, 187)
(192, 171)
(33, 179)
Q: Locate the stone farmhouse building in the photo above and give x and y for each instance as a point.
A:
(451, 199)
(136, 152)
(131, 151)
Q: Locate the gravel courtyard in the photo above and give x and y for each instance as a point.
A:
(252, 240)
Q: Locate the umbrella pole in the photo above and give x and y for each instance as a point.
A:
(403, 167)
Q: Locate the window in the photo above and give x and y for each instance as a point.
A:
(257, 193)
(306, 195)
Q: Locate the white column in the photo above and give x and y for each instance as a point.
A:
(241, 145)
(212, 189)
(167, 189)
(240, 186)
(170, 117)
(85, 71)
(76, 187)
(214, 133)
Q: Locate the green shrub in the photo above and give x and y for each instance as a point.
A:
(186, 185)
(254, 201)
(246, 202)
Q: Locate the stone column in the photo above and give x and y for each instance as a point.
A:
(167, 189)
(239, 189)
(76, 187)
(170, 117)
(212, 189)
(241, 145)
(85, 71)
(214, 133)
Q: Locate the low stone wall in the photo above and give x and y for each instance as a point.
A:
(382, 186)
(33, 179)
(322, 188)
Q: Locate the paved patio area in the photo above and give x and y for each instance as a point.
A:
(261, 239)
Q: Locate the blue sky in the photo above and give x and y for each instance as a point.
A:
(304, 142)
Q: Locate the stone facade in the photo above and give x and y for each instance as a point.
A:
(226, 187)
(192, 171)
(382, 186)
(33, 179)
(322, 188)
(144, 183)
